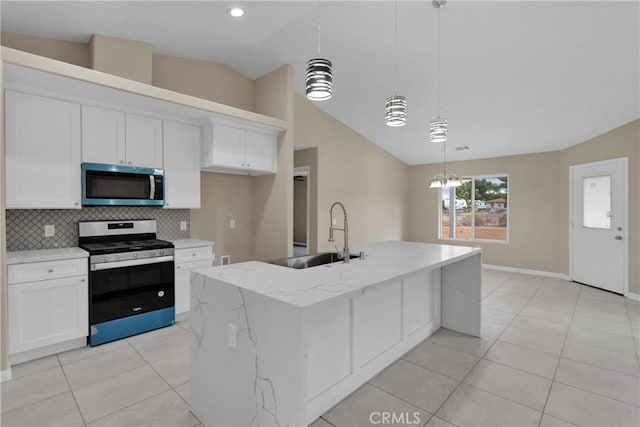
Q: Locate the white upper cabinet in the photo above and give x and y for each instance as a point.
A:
(117, 138)
(42, 152)
(103, 136)
(181, 165)
(238, 149)
(260, 151)
(144, 141)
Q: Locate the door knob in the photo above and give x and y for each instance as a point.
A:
(618, 237)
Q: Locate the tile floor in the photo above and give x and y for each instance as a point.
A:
(552, 353)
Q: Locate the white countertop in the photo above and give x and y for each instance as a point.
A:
(190, 243)
(384, 261)
(40, 255)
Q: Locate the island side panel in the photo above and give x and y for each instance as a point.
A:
(461, 290)
(350, 340)
(261, 381)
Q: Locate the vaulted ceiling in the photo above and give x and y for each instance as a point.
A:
(516, 77)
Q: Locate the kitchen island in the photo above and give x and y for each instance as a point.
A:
(273, 345)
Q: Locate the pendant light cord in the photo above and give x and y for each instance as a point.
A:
(444, 150)
(438, 72)
(319, 56)
(395, 49)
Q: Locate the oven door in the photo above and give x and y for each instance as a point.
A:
(128, 288)
(121, 185)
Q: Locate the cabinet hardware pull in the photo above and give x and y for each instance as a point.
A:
(51, 270)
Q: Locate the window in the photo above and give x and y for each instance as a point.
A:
(476, 210)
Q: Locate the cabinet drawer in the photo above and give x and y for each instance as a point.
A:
(193, 254)
(36, 271)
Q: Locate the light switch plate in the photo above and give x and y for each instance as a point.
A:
(232, 223)
(49, 230)
(183, 225)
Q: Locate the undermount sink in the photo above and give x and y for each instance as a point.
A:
(307, 261)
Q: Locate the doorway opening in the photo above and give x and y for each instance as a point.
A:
(301, 197)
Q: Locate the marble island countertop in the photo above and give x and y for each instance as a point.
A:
(384, 261)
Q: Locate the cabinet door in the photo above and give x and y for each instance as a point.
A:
(42, 152)
(260, 151)
(181, 147)
(183, 283)
(228, 146)
(47, 312)
(103, 138)
(144, 141)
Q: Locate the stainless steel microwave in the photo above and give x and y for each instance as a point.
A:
(115, 185)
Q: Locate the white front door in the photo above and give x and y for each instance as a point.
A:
(599, 207)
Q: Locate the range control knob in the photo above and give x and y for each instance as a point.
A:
(135, 255)
(117, 257)
(107, 258)
(161, 253)
(152, 253)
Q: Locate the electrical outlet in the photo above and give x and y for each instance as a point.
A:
(232, 223)
(233, 336)
(183, 225)
(225, 260)
(49, 230)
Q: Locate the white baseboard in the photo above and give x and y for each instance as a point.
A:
(5, 375)
(526, 271)
(629, 295)
(632, 296)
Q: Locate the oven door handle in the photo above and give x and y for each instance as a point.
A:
(130, 263)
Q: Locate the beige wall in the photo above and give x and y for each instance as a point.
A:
(273, 194)
(300, 211)
(309, 157)
(538, 202)
(532, 203)
(203, 79)
(370, 182)
(225, 197)
(130, 59)
(73, 53)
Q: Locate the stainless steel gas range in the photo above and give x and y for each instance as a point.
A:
(131, 278)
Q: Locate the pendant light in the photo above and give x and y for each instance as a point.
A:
(319, 74)
(445, 179)
(395, 107)
(438, 127)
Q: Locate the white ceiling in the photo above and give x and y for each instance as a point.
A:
(517, 77)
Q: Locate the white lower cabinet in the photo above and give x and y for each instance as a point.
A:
(187, 260)
(47, 312)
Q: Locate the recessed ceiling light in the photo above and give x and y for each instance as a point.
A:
(236, 12)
